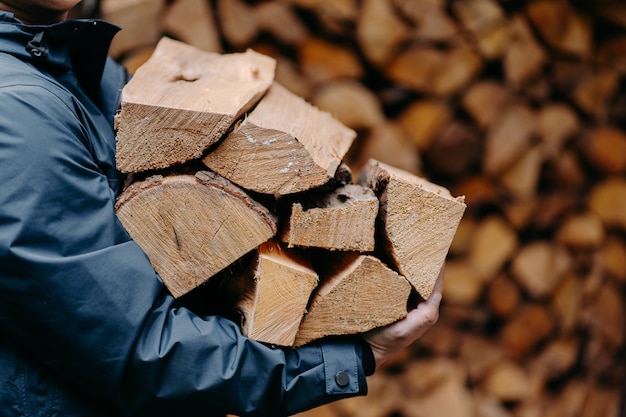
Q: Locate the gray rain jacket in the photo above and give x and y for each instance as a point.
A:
(86, 326)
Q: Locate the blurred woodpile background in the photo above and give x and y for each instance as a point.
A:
(520, 105)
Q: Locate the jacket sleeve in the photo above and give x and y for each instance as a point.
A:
(84, 298)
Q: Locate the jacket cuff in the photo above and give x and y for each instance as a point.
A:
(343, 367)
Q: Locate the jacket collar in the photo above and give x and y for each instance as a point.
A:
(80, 45)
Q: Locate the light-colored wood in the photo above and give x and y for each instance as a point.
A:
(237, 21)
(493, 244)
(436, 388)
(522, 178)
(503, 296)
(342, 220)
(390, 143)
(509, 139)
(419, 221)
(507, 381)
(581, 230)
(380, 32)
(432, 71)
(140, 22)
(280, 21)
(279, 292)
(192, 227)
(424, 119)
(462, 284)
(608, 200)
(526, 330)
(322, 61)
(556, 124)
(540, 266)
(284, 146)
(524, 57)
(182, 100)
(338, 98)
(485, 101)
(193, 22)
(485, 20)
(358, 293)
(479, 354)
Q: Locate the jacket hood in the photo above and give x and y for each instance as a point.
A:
(81, 45)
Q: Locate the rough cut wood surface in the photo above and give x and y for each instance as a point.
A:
(191, 227)
(182, 100)
(419, 222)
(342, 220)
(284, 146)
(277, 294)
(356, 293)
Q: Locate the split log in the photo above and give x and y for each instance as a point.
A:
(561, 26)
(238, 22)
(182, 100)
(509, 139)
(357, 293)
(424, 119)
(608, 200)
(274, 300)
(338, 98)
(605, 148)
(140, 22)
(342, 220)
(284, 146)
(192, 227)
(380, 31)
(419, 220)
(193, 22)
(539, 267)
(428, 70)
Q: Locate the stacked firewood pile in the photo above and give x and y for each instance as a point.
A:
(520, 106)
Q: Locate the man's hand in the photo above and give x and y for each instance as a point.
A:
(389, 340)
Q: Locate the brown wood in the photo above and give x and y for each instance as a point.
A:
(341, 220)
(174, 108)
(380, 31)
(338, 98)
(283, 146)
(358, 293)
(193, 22)
(419, 222)
(275, 298)
(192, 227)
(140, 22)
(431, 71)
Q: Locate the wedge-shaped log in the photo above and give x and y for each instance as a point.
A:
(418, 222)
(274, 299)
(182, 100)
(357, 293)
(191, 227)
(343, 220)
(284, 146)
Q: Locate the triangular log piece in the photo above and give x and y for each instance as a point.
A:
(418, 222)
(343, 220)
(356, 294)
(277, 294)
(191, 227)
(284, 146)
(183, 100)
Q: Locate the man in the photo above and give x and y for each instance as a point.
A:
(86, 325)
